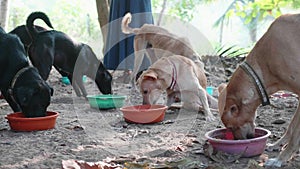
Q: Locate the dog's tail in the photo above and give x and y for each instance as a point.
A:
(33, 16)
(125, 25)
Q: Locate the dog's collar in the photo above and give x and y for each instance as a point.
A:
(13, 82)
(18, 74)
(174, 76)
(259, 86)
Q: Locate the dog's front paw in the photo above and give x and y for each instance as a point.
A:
(273, 162)
(210, 117)
(134, 89)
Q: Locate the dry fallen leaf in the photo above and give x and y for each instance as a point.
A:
(252, 164)
(262, 159)
(220, 156)
(74, 164)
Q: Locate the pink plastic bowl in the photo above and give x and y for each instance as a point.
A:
(222, 140)
(144, 113)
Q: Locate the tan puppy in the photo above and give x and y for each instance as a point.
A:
(162, 42)
(275, 59)
(176, 74)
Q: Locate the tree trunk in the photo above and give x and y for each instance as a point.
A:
(3, 13)
(103, 16)
(162, 12)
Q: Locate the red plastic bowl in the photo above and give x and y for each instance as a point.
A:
(222, 140)
(144, 113)
(18, 122)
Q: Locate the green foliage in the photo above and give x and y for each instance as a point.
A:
(73, 20)
(14, 18)
(231, 51)
(252, 12)
(256, 10)
(70, 18)
(184, 9)
(295, 4)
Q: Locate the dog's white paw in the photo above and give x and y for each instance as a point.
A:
(273, 162)
(210, 117)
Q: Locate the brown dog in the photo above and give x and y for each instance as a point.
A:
(162, 42)
(176, 74)
(275, 61)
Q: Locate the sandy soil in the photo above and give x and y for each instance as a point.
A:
(84, 133)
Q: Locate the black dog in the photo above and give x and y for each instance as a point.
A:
(25, 36)
(58, 49)
(20, 84)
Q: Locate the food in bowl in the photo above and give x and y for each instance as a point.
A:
(18, 122)
(106, 101)
(222, 140)
(144, 114)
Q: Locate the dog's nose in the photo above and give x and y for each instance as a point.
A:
(250, 136)
(229, 126)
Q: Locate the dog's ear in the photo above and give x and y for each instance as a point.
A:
(222, 99)
(45, 86)
(150, 75)
(221, 87)
(147, 74)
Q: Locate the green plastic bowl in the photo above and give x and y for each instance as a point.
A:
(106, 101)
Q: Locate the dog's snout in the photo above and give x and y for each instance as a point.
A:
(229, 126)
(250, 136)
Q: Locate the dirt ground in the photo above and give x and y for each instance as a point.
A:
(91, 135)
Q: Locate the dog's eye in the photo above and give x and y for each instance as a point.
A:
(145, 92)
(233, 109)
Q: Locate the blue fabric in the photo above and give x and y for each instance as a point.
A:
(119, 52)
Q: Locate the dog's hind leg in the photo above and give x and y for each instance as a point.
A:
(139, 47)
(292, 135)
(192, 100)
(78, 81)
(287, 135)
(61, 72)
(203, 99)
(76, 89)
(150, 53)
(42, 55)
(213, 102)
(74, 85)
